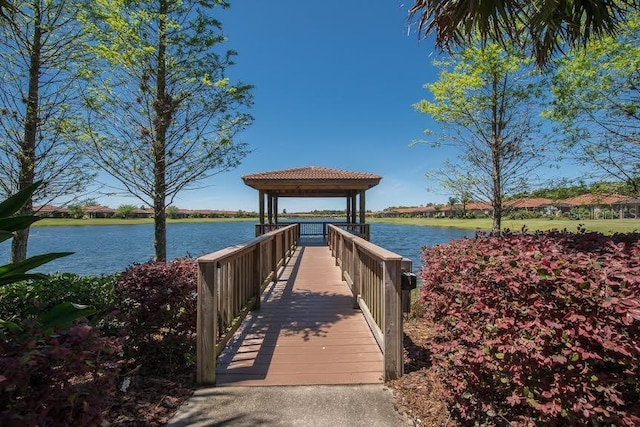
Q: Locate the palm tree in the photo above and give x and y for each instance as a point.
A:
(543, 26)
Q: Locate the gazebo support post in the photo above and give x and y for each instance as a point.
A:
(348, 210)
(270, 208)
(362, 207)
(261, 206)
(275, 209)
(353, 207)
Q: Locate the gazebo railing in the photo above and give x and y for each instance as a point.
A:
(317, 229)
(230, 283)
(374, 275)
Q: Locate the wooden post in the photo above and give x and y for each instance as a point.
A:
(275, 209)
(257, 279)
(348, 208)
(362, 207)
(392, 320)
(261, 205)
(353, 207)
(274, 259)
(207, 323)
(356, 274)
(270, 209)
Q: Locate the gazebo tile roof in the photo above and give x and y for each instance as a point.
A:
(310, 173)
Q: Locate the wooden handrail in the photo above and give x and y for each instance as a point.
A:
(374, 275)
(230, 283)
(316, 228)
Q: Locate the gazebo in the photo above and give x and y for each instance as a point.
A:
(311, 182)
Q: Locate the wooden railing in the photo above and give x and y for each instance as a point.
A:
(230, 283)
(374, 275)
(317, 228)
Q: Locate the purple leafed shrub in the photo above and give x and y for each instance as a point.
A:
(538, 328)
(158, 304)
(64, 378)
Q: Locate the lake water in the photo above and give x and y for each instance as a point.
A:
(107, 249)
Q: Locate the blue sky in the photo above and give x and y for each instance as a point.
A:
(334, 86)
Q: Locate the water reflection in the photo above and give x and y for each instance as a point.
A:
(108, 249)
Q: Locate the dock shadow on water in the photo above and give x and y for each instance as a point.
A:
(306, 331)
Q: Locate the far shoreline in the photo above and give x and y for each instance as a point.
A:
(605, 226)
(71, 222)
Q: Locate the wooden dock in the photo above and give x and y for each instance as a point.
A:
(305, 332)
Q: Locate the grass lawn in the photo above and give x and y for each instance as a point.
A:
(53, 222)
(608, 226)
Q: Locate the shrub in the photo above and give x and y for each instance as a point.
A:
(538, 329)
(125, 211)
(608, 214)
(64, 378)
(579, 213)
(159, 312)
(29, 299)
(523, 214)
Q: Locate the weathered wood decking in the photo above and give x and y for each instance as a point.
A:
(306, 331)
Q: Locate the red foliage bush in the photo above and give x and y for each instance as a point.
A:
(64, 378)
(158, 304)
(538, 329)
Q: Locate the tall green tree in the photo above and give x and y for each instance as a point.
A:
(41, 53)
(452, 203)
(541, 26)
(485, 99)
(597, 102)
(78, 209)
(455, 181)
(166, 115)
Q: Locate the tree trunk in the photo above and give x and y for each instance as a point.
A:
(28, 146)
(496, 155)
(496, 201)
(19, 246)
(163, 110)
(160, 229)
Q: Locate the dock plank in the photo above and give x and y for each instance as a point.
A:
(306, 332)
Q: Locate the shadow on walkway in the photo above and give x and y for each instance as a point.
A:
(306, 331)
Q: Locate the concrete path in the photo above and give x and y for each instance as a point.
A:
(304, 406)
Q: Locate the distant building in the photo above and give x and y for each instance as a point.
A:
(50, 211)
(98, 211)
(616, 204)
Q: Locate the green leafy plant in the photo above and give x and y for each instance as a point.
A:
(30, 298)
(9, 224)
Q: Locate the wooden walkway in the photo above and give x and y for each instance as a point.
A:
(306, 331)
